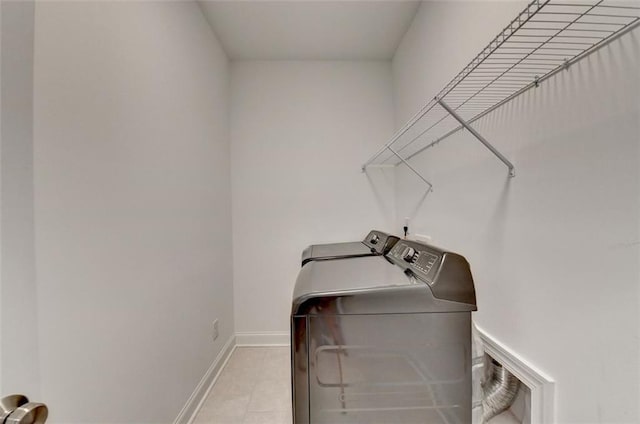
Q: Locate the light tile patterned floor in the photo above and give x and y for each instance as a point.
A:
(254, 387)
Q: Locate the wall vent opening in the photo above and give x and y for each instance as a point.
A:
(534, 401)
(506, 399)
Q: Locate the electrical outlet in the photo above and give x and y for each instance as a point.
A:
(215, 330)
(423, 238)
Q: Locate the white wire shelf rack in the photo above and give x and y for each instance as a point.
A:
(544, 39)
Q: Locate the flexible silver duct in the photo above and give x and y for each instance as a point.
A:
(500, 390)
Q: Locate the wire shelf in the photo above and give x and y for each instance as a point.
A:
(545, 38)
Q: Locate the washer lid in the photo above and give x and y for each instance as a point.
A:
(365, 285)
(335, 251)
(375, 243)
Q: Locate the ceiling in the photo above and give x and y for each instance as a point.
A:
(308, 29)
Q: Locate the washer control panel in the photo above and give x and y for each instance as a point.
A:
(419, 258)
(425, 261)
(380, 242)
(447, 274)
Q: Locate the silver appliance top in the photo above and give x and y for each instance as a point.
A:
(375, 243)
(337, 250)
(412, 278)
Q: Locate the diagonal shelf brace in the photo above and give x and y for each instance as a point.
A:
(476, 134)
(411, 167)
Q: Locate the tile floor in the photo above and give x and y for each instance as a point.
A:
(254, 387)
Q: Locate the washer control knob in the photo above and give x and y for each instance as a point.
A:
(409, 254)
(375, 239)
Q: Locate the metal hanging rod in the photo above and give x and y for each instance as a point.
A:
(548, 36)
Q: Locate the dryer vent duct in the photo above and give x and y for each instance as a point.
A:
(500, 390)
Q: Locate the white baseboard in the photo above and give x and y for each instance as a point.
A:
(199, 395)
(265, 338)
(539, 384)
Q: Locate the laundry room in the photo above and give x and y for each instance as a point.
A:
(319, 212)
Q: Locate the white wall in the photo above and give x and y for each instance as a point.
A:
(20, 373)
(1, 338)
(132, 207)
(299, 133)
(554, 251)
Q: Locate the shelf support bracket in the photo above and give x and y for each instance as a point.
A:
(476, 134)
(411, 168)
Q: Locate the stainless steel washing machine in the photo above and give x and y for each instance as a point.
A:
(383, 339)
(375, 243)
